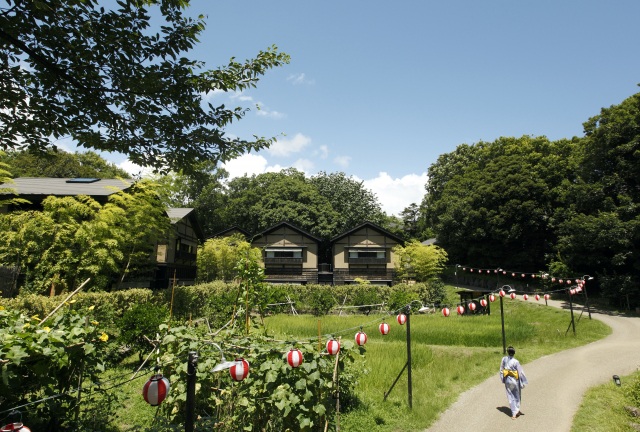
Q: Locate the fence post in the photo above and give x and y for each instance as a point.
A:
(191, 391)
(409, 385)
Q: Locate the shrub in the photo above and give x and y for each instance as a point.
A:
(140, 324)
(632, 391)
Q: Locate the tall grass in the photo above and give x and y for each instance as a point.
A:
(449, 356)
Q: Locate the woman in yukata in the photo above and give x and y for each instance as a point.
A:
(514, 380)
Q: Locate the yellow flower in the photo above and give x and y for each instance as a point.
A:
(47, 329)
(35, 317)
(1, 307)
(27, 325)
(95, 322)
(71, 301)
(92, 307)
(104, 337)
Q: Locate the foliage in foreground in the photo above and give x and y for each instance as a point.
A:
(50, 359)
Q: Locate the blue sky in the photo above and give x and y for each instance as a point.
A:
(378, 90)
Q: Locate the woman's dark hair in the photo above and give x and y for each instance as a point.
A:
(511, 350)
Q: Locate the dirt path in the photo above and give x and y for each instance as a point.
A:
(556, 384)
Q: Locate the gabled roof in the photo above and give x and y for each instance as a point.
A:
(286, 224)
(369, 225)
(224, 232)
(179, 213)
(26, 187)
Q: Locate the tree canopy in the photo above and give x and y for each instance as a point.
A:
(60, 164)
(107, 78)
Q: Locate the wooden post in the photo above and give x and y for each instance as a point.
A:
(409, 384)
(191, 391)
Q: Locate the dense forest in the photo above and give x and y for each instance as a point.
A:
(567, 207)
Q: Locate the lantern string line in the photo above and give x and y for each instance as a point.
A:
(76, 389)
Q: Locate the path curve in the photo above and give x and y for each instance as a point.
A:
(557, 383)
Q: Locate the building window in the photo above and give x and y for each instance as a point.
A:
(360, 253)
(283, 253)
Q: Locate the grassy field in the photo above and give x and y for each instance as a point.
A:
(450, 355)
(602, 409)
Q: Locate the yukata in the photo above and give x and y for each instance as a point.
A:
(514, 380)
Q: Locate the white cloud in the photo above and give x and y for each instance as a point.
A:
(135, 170)
(211, 95)
(285, 147)
(249, 164)
(300, 78)
(241, 96)
(304, 165)
(342, 161)
(322, 152)
(262, 111)
(394, 195)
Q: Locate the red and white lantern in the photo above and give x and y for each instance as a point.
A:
(361, 338)
(384, 328)
(523, 275)
(240, 370)
(513, 275)
(155, 390)
(513, 296)
(569, 282)
(502, 293)
(572, 291)
(401, 318)
(553, 280)
(333, 346)
(472, 306)
(537, 297)
(492, 298)
(579, 289)
(578, 281)
(446, 312)
(18, 426)
(460, 310)
(560, 280)
(525, 297)
(483, 303)
(546, 297)
(295, 357)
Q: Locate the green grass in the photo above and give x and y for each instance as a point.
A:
(602, 408)
(449, 356)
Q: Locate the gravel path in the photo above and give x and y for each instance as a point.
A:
(556, 384)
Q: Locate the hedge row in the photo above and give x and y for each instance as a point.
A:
(217, 300)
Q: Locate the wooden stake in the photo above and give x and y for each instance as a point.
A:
(65, 300)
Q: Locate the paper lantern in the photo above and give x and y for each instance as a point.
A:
(401, 318)
(569, 282)
(523, 275)
(547, 296)
(471, 270)
(361, 338)
(537, 297)
(504, 272)
(472, 306)
(525, 296)
(533, 276)
(513, 275)
(18, 426)
(560, 280)
(483, 303)
(579, 289)
(239, 370)
(333, 346)
(295, 357)
(502, 293)
(495, 271)
(156, 389)
(460, 309)
(446, 312)
(553, 279)
(384, 328)
(492, 298)
(578, 281)
(512, 295)
(572, 291)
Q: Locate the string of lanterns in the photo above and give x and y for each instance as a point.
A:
(543, 276)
